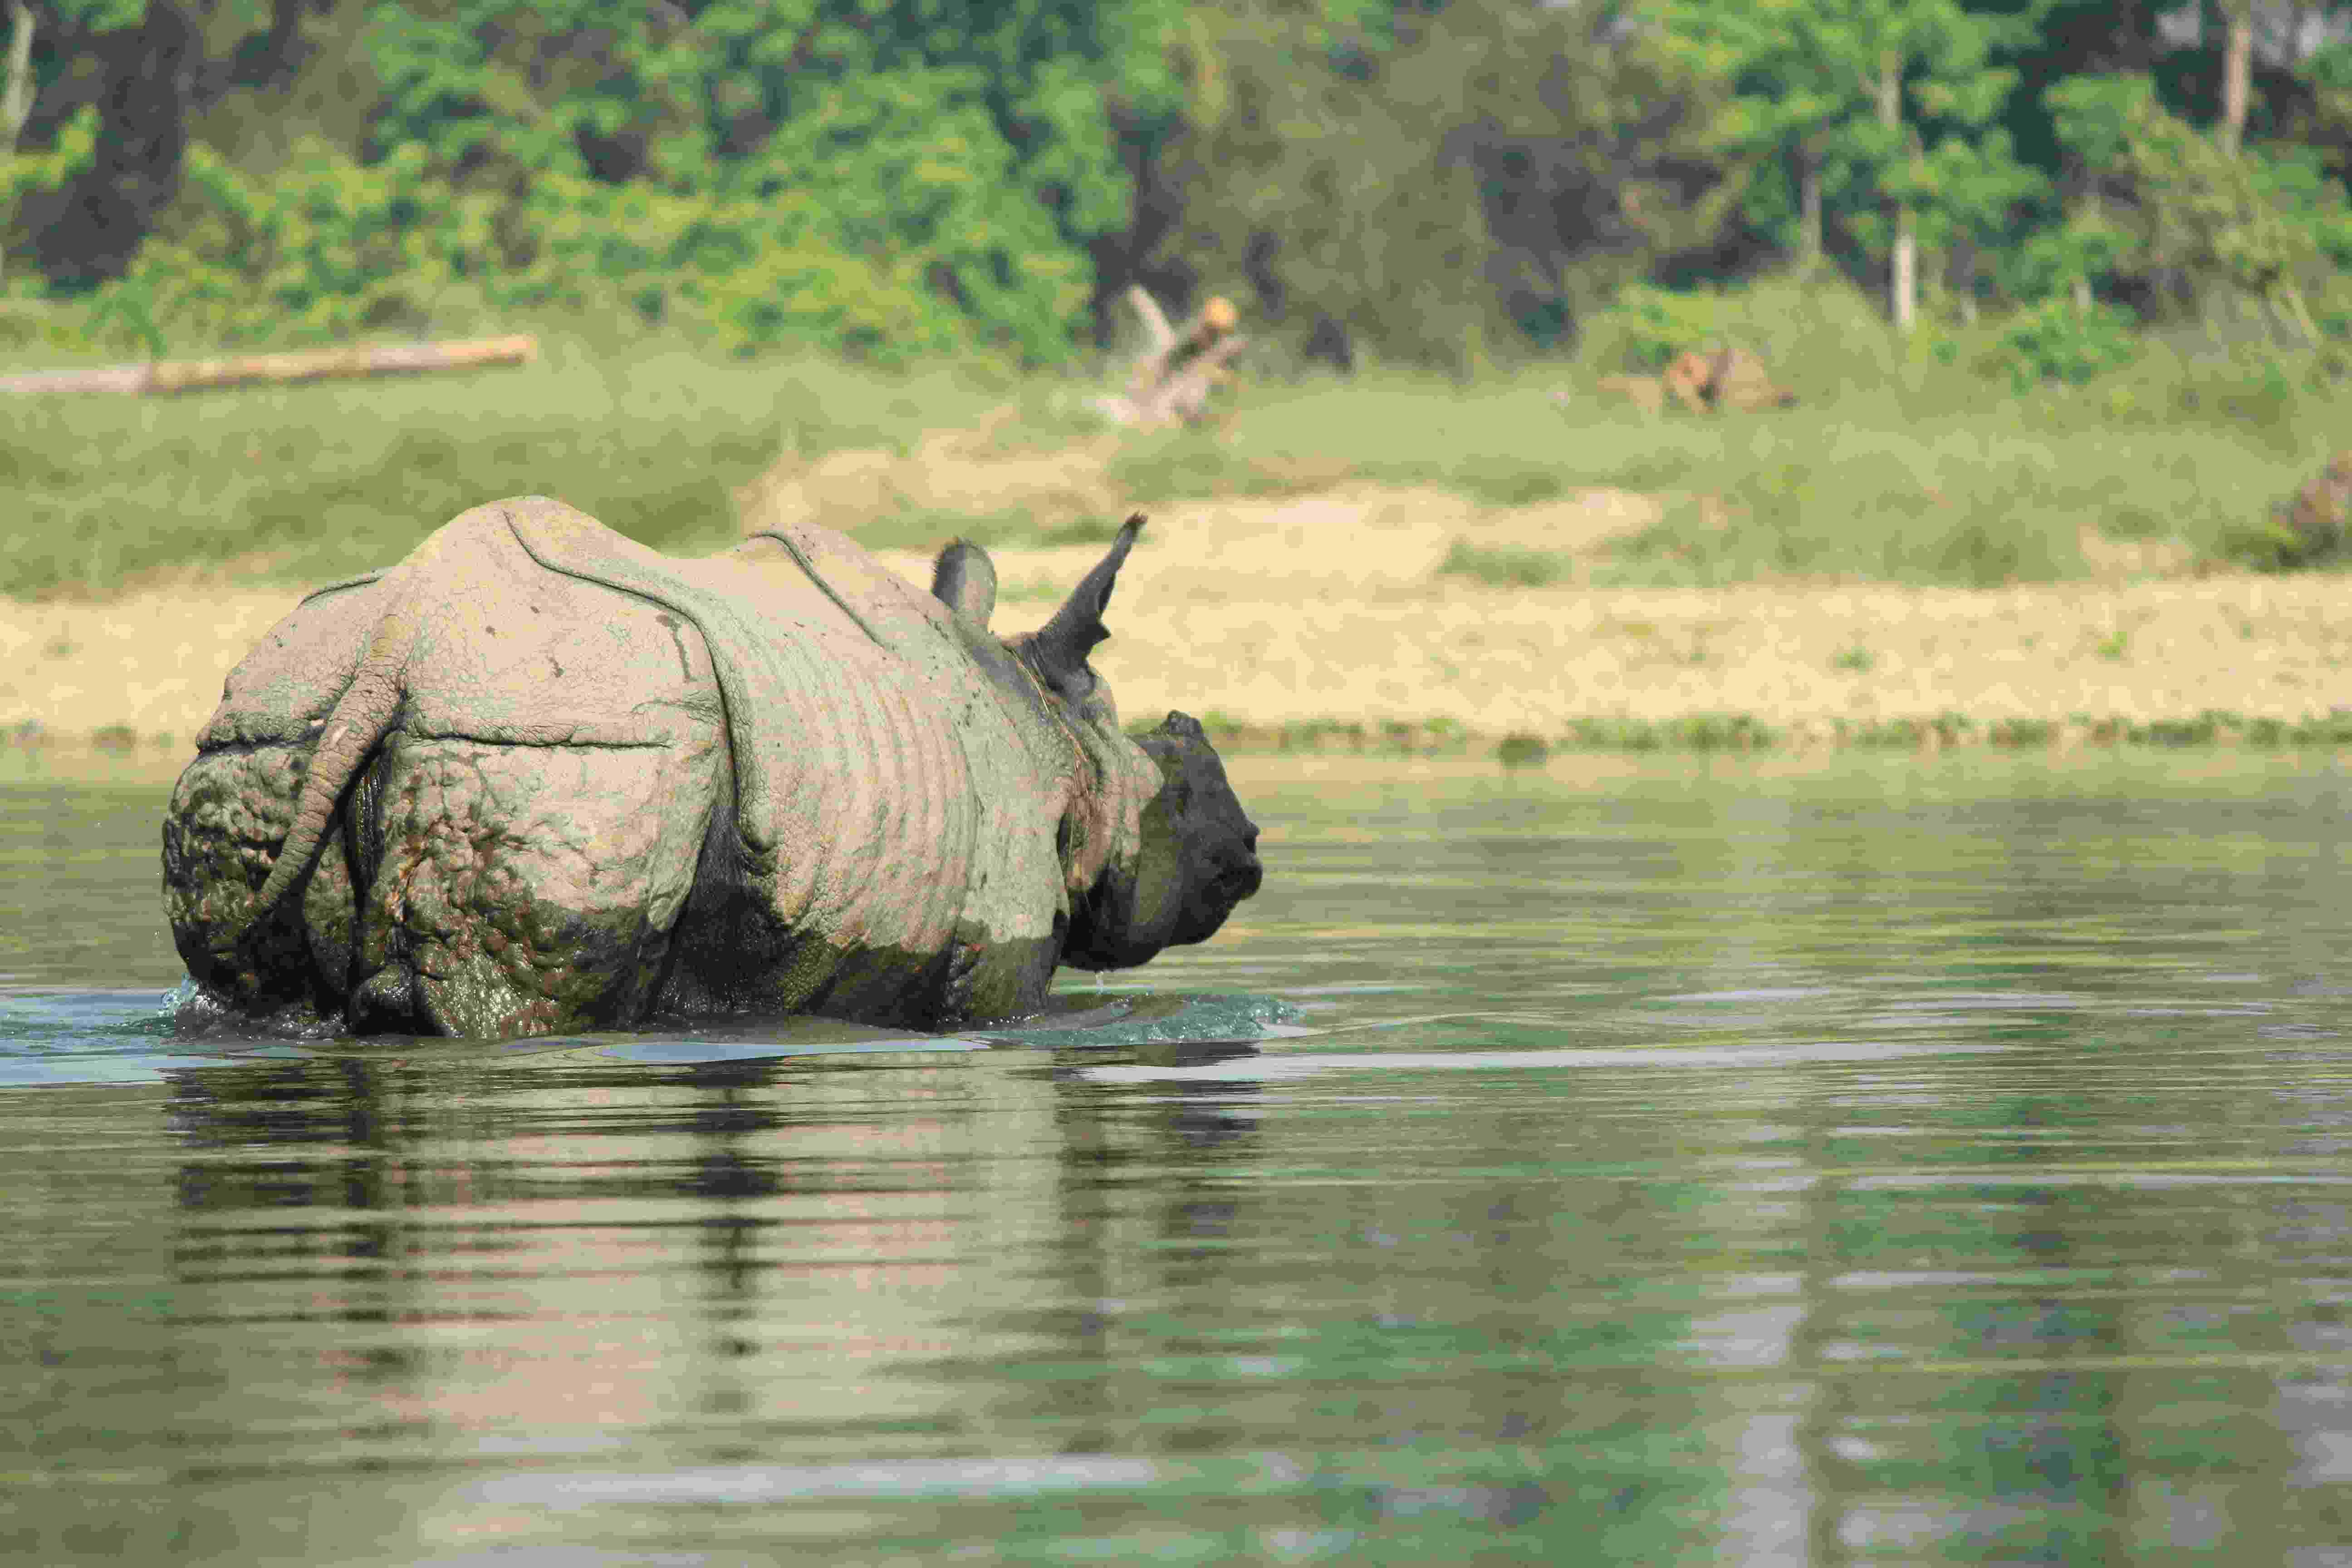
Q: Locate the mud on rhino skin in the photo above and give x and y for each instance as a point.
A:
(539, 778)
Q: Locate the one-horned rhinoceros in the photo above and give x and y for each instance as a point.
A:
(537, 778)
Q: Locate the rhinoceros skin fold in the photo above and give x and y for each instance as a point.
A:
(537, 778)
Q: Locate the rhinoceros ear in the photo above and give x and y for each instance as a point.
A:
(964, 580)
(1063, 642)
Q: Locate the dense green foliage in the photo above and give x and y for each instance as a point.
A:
(1808, 75)
(1445, 182)
(915, 180)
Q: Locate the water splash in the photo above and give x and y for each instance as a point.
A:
(110, 1037)
(1144, 1018)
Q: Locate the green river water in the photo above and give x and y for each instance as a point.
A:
(1816, 1161)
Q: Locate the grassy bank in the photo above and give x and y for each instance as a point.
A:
(303, 483)
(1244, 613)
(1746, 733)
(1849, 486)
(1897, 466)
(1703, 734)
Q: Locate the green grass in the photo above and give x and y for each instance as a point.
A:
(927, 528)
(336, 478)
(1739, 732)
(1855, 658)
(1693, 732)
(1504, 567)
(1894, 466)
(1900, 464)
(1519, 750)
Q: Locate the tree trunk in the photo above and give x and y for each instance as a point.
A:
(2237, 74)
(1903, 284)
(16, 93)
(16, 89)
(1906, 272)
(1808, 205)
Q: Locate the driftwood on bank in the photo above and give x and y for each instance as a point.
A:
(1176, 371)
(157, 376)
(1729, 378)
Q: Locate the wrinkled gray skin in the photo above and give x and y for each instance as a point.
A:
(538, 779)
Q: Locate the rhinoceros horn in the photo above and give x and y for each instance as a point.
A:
(1062, 644)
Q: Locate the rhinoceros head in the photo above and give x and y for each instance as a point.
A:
(1155, 849)
(1196, 860)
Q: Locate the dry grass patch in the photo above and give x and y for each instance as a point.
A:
(1347, 610)
(953, 483)
(143, 669)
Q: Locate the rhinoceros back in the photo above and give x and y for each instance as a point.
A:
(582, 730)
(916, 792)
(541, 791)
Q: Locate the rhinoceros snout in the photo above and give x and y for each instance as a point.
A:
(1215, 898)
(1247, 872)
(1202, 860)
(1218, 837)
(1242, 882)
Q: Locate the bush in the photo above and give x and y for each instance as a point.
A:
(329, 247)
(1820, 336)
(2057, 340)
(1652, 325)
(2312, 526)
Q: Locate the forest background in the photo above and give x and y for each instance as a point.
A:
(2060, 285)
(1431, 182)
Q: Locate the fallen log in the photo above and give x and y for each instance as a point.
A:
(160, 376)
(1729, 378)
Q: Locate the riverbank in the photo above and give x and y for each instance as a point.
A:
(1371, 618)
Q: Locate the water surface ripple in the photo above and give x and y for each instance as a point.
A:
(1858, 1161)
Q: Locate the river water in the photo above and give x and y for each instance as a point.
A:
(1817, 1160)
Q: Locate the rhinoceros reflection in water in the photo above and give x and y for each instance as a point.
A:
(539, 778)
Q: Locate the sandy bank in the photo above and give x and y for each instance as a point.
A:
(1331, 609)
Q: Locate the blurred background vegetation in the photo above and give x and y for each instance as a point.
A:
(1430, 182)
(1963, 229)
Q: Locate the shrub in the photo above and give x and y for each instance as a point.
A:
(2057, 340)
